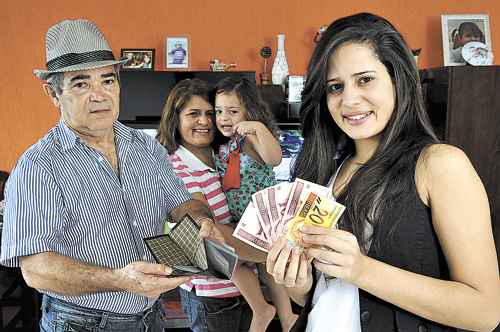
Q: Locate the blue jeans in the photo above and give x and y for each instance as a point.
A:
(61, 316)
(208, 314)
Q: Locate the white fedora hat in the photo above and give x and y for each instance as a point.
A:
(73, 45)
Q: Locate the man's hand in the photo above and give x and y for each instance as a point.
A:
(148, 279)
(200, 212)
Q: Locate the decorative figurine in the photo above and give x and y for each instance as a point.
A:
(216, 65)
(416, 53)
(265, 52)
(320, 31)
(477, 54)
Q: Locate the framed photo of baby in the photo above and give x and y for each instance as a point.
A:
(177, 52)
(458, 30)
(138, 58)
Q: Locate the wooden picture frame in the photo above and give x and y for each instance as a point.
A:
(138, 58)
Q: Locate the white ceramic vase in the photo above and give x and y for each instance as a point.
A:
(280, 66)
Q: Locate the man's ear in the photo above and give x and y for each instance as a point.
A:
(49, 91)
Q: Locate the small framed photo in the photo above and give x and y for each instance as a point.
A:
(138, 58)
(458, 30)
(177, 52)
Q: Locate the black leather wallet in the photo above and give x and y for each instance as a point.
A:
(187, 254)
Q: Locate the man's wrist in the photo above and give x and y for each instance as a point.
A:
(117, 280)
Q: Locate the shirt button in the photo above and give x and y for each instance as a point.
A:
(365, 316)
(135, 223)
(144, 258)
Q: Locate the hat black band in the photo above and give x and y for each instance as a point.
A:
(72, 59)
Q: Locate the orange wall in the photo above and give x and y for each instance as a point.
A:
(230, 30)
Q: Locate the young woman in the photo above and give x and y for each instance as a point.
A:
(416, 236)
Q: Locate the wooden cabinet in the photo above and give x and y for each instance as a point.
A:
(19, 304)
(464, 106)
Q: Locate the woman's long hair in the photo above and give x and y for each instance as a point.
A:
(168, 131)
(376, 185)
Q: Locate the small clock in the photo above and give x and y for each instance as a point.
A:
(477, 54)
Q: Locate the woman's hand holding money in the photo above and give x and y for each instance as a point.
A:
(335, 252)
(289, 266)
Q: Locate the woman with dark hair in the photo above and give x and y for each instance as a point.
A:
(187, 131)
(416, 235)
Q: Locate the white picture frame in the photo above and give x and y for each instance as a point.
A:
(177, 52)
(457, 30)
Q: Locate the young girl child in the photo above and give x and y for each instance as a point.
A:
(466, 32)
(246, 163)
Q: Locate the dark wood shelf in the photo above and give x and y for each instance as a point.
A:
(463, 103)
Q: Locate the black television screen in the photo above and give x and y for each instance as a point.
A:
(143, 93)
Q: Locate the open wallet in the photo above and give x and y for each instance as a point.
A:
(187, 254)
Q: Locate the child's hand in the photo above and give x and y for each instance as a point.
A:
(245, 128)
(261, 140)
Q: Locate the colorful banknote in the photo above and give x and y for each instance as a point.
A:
(316, 210)
(283, 209)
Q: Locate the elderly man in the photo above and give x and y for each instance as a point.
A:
(80, 201)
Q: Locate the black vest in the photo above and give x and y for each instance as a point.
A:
(412, 246)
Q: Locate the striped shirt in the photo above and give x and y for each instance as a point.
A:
(200, 178)
(63, 196)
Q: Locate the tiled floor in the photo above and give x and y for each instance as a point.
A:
(274, 327)
(177, 319)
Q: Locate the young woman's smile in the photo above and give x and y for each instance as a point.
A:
(360, 92)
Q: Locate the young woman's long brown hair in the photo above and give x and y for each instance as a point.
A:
(380, 181)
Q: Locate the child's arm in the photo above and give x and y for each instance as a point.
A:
(262, 140)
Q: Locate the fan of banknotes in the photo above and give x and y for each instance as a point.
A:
(283, 209)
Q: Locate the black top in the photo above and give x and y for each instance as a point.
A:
(413, 246)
